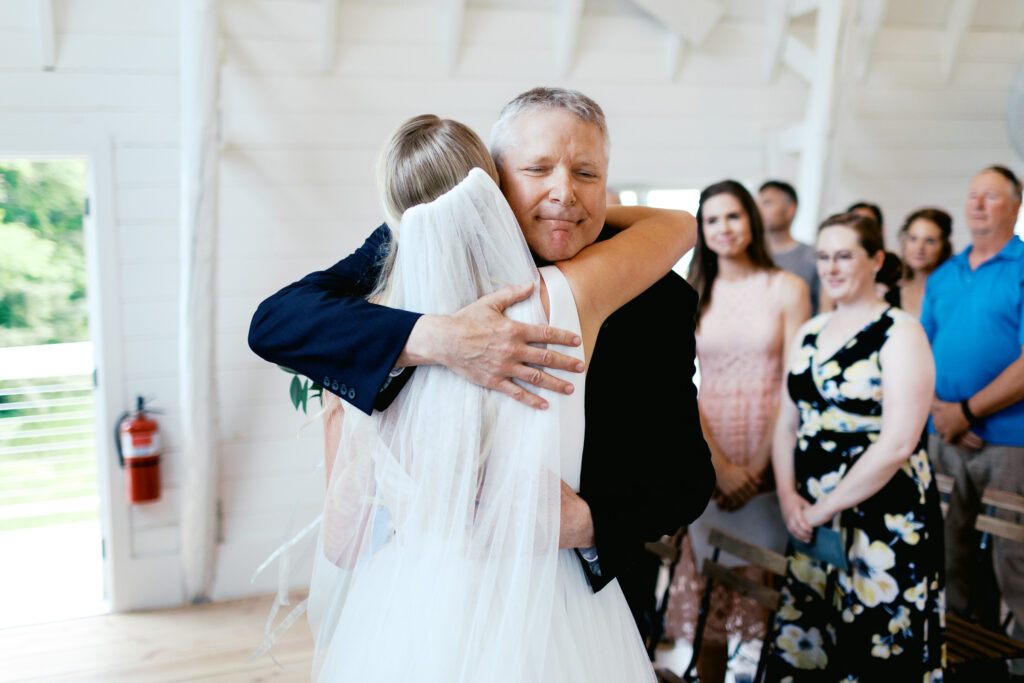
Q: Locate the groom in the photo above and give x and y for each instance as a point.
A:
(646, 468)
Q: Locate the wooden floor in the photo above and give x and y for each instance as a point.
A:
(208, 643)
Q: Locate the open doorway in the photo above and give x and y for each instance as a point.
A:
(49, 495)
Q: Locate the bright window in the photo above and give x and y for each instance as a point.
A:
(664, 198)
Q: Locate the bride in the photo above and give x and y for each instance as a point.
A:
(438, 557)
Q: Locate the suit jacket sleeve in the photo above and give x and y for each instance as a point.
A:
(646, 468)
(323, 328)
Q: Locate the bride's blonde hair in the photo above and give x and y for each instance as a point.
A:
(450, 469)
(425, 157)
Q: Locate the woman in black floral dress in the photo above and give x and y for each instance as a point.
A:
(843, 464)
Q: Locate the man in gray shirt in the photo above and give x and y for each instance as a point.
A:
(778, 202)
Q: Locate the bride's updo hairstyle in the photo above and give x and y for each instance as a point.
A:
(425, 157)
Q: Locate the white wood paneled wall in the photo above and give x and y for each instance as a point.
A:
(114, 85)
(301, 123)
(909, 139)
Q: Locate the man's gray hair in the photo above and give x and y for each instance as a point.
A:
(572, 101)
(994, 168)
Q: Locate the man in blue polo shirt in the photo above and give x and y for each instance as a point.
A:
(973, 312)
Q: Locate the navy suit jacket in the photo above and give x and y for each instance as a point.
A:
(646, 467)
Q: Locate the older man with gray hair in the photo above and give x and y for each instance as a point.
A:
(973, 312)
(646, 468)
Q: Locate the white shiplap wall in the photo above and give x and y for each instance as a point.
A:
(909, 139)
(298, 145)
(113, 99)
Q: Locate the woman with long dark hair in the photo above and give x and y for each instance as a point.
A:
(926, 246)
(748, 311)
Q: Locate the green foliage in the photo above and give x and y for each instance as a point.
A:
(300, 390)
(47, 452)
(42, 262)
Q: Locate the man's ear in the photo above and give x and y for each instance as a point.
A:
(790, 212)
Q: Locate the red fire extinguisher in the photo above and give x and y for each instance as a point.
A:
(138, 448)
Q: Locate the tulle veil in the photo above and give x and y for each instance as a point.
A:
(437, 554)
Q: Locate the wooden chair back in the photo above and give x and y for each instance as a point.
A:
(756, 556)
(987, 522)
(968, 642)
(714, 571)
(667, 548)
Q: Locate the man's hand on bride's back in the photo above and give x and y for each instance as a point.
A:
(485, 347)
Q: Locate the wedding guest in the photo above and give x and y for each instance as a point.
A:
(924, 238)
(888, 275)
(777, 201)
(845, 468)
(869, 210)
(973, 312)
(747, 312)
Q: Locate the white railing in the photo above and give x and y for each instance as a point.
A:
(47, 436)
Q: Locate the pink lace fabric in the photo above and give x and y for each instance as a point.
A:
(729, 614)
(739, 345)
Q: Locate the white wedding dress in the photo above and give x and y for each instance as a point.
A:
(437, 560)
(593, 636)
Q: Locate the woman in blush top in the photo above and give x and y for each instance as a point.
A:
(748, 311)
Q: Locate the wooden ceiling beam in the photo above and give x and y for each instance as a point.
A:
(871, 13)
(47, 35)
(775, 22)
(961, 12)
(672, 54)
(693, 19)
(328, 34)
(452, 12)
(798, 7)
(570, 14)
(800, 58)
(819, 119)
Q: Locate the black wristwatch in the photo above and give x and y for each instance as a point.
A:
(972, 419)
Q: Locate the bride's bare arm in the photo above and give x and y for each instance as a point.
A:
(607, 274)
(621, 217)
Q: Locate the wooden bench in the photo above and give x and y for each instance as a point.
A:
(714, 572)
(967, 641)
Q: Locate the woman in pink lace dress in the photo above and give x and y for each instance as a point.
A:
(749, 311)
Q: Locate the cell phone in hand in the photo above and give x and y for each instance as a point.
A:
(826, 545)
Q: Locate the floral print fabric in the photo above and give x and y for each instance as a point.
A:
(883, 617)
